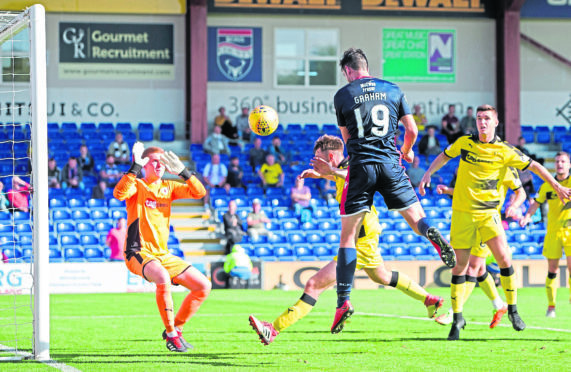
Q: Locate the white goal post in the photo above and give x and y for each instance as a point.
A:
(33, 19)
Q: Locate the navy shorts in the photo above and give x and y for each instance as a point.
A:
(363, 180)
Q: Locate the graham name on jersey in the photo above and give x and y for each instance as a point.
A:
(375, 96)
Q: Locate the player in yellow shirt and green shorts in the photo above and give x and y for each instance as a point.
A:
(558, 234)
(484, 162)
(330, 148)
(478, 254)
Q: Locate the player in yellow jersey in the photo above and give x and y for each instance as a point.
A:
(558, 234)
(484, 162)
(478, 254)
(148, 202)
(330, 149)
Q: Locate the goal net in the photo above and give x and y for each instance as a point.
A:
(24, 220)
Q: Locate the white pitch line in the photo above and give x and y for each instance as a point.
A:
(24, 355)
(477, 323)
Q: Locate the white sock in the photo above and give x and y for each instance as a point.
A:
(498, 303)
(178, 329)
(172, 334)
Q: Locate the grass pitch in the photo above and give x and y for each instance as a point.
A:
(389, 331)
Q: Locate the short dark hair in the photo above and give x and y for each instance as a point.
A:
(487, 108)
(354, 58)
(563, 153)
(327, 142)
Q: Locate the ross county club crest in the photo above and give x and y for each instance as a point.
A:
(235, 52)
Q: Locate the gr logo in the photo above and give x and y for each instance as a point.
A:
(75, 36)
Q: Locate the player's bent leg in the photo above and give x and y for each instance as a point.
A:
(457, 285)
(416, 218)
(498, 245)
(157, 274)
(346, 265)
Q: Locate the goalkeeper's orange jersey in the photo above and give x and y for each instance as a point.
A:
(149, 210)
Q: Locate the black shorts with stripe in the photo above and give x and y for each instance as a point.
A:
(363, 180)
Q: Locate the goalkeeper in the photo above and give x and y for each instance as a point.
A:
(330, 150)
(146, 254)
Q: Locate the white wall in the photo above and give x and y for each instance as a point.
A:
(545, 81)
(475, 66)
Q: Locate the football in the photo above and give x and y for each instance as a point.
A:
(263, 120)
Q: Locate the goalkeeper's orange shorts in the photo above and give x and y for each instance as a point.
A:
(173, 264)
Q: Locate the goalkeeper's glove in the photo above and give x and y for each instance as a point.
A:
(138, 161)
(174, 165)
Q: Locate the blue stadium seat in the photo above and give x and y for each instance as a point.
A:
(259, 239)
(115, 203)
(89, 239)
(27, 253)
(543, 135)
(290, 224)
(96, 203)
(311, 129)
(521, 238)
(166, 132)
(69, 127)
(274, 191)
(401, 225)
(327, 224)
(220, 202)
(284, 253)
(277, 237)
(332, 237)
(68, 239)
(80, 214)
(115, 214)
(323, 252)
(106, 128)
(103, 226)
(13, 254)
(559, 131)
(99, 215)
(6, 229)
(76, 203)
(304, 253)
(147, 132)
(410, 238)
(527, 132)
(283, 212)
(531, 248)
(390, 237)
(296, 237)
(321, 212)
(124, 127)
(55, 254)
(329, 129)
(84, 228)
(294, 128)
(264, 253)
(314, 237)
(21, 216)
(401, 253)
(57, 202)
(94, 254)
(25, 239)
(73, 254)
(63, 227)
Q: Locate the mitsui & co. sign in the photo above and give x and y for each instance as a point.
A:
(116, 51)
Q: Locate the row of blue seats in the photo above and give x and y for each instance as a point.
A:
(145, 131)
(544, 134)
(62, 202)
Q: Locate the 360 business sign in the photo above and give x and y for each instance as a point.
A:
(110, 50)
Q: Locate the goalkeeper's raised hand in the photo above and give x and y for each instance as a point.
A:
(138, 161)
(174, 165)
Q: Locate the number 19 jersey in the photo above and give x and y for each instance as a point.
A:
(370, 109)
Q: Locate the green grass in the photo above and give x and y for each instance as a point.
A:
(122, 332)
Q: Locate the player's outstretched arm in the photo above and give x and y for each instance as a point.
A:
(126, 188)
(563, 193)
(193, 188)
(530, 212)
(326, 170)
(437, 163)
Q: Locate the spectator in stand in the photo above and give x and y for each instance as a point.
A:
(257, 155)
(215, 173)
(271, 173)
(54, 174)
(119, 149)
(277, 151)
(521, 147)
(419, 118)
(98, 191)
(415, 172)
(244, 131)
(235, 174)
(257, 220)
(85, 160)
(468, 122)
(228, 129)
(233, 227)
(300, 198)
(216, 143)
(18, 195)
(110, 173)
(429, 144)
(4, 202)
(72, 175)
(450, 125)
(116, 240)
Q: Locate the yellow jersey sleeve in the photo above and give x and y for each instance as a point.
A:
(542, 193)
(455, 149)
(515, 158)
(511, 180)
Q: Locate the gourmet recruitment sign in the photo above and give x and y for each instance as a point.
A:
(116, 51)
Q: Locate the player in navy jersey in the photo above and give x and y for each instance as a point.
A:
(368, 111)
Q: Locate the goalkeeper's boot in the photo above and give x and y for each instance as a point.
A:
(433, 303)
(458, 323)
(265, 330)
(444, 319)
(341, 315)
(498, 314)
(550, 312)
(517, 323)
(175, 344)
(443, 248)
(182, 340)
